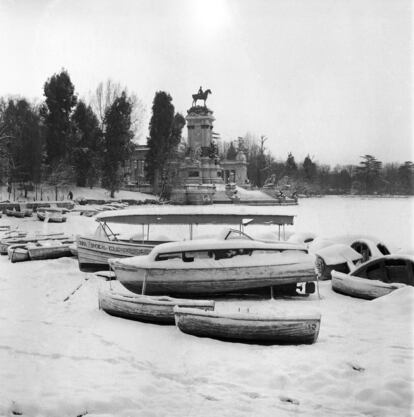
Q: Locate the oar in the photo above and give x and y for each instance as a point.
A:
(77, 288)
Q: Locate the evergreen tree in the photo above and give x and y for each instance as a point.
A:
(117, 141)
(87, 143)
(309, 169)
(21, 124)
(406, 177)
(165, 135)
(231, 152)
(369, 173)
(60, 100)
(290, 166)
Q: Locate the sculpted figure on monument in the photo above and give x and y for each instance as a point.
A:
(270, 180)
(201, 95)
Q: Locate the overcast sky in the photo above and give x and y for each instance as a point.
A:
(331, 78)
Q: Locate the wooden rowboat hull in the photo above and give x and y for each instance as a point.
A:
(245, 330)
(158, 310)
(49, 252)
(93, 254)
(210, 281)
(361, 287)
(18, 214)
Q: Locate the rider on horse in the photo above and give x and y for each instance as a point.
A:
(201, 95)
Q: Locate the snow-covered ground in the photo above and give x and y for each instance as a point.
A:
(68, 358)
(97, 193)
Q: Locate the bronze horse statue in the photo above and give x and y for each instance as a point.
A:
(201, 96)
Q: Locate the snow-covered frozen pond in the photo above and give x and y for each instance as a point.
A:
(69, 358)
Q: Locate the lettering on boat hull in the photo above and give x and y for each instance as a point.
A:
(94, 253)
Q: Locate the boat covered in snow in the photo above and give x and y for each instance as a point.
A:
(146, 308)
(49, 249)
(25, 238)
(331, 253)
(215, 266)
(249, 327)
(94, 251)
(51, 216)
(376, 278)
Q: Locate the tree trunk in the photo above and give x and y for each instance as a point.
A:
(156, 183)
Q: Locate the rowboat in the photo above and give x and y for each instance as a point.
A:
(48, 249)
(15, 213)
(248, 327)
(146, 308)
(51, 217)
(214, 266)
(26, 238)
(94, 251)
(376, 278)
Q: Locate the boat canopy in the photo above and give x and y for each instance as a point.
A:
(211, 214)
(219, 244)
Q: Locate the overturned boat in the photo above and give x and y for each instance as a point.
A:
(214, 266)
(146, 308)
(248, 327)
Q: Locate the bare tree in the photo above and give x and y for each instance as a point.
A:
(104, 96)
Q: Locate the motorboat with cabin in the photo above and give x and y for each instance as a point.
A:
(215, 266)
(94, 251)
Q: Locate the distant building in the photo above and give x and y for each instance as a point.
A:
(133, 169)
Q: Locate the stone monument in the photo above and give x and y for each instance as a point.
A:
(201, 164)
(201, 171)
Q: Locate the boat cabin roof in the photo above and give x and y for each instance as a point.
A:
(218, 244)
(211, 214)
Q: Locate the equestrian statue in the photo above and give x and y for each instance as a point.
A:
(201, 95)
